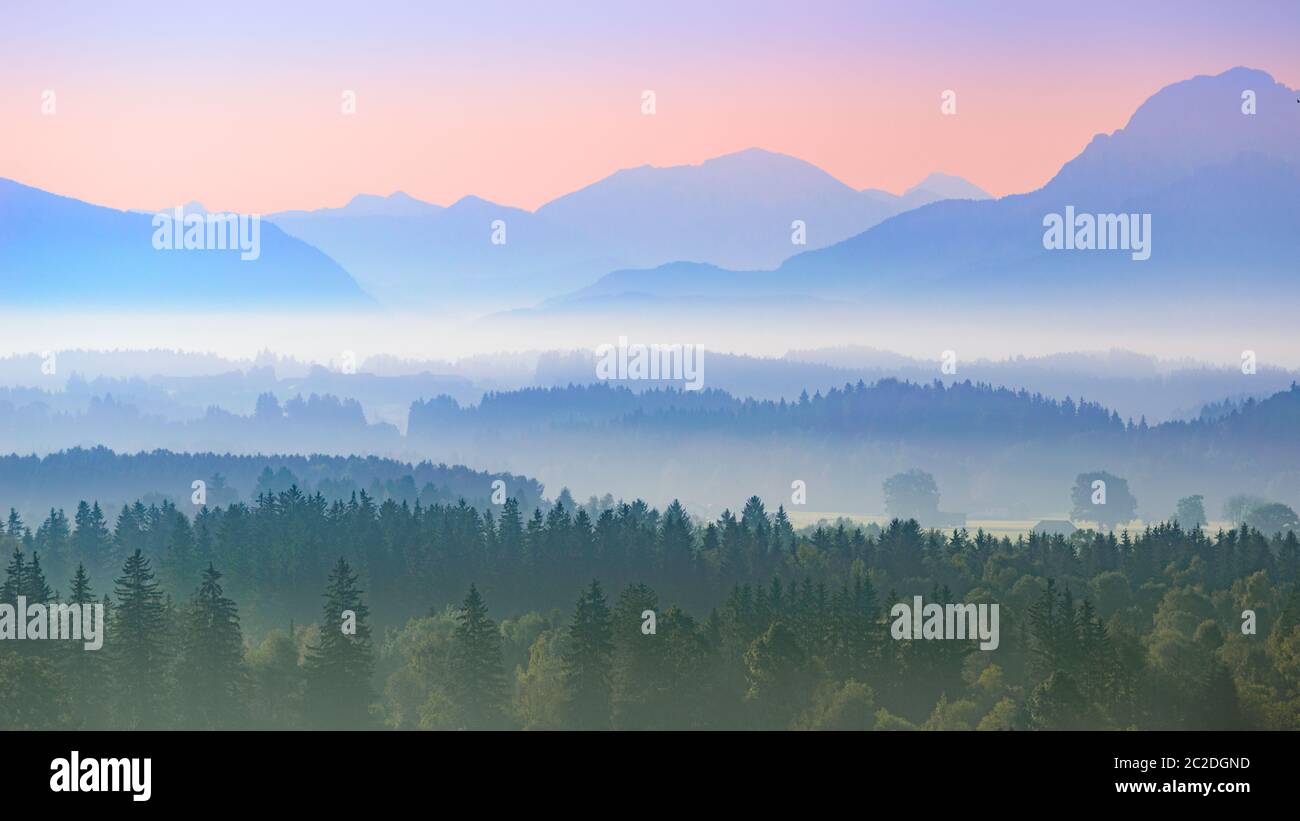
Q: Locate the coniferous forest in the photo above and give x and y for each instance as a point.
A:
(295, 612)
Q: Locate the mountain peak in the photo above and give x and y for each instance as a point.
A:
(755, 153)
(753, 159)
(1202, 121)
(1202, 100)
(745, 162)
(948, 187)
(475, 203)
(397, 204)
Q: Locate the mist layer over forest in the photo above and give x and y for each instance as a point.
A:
(840, 421)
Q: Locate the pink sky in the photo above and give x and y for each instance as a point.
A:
(239, 107)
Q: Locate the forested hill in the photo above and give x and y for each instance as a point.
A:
(888, 408)
(1002, 452)
(1008, 453)
(31, 483)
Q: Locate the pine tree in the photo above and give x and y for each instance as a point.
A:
(15, 582)
(510, 532)
(640, 686)
(137, 645)
(53, 539)
(83, 669)
(210, 671)
(533, 536)
(340, 665)
(15, 524)
(127, 533)
(676, 543)
(1052, 633)
(91, 540)
(588, 661)
(81, 592)
(34, 585)
(178, 562)
(478, 679)
(1100, 678)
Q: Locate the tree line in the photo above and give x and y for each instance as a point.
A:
(448, 617)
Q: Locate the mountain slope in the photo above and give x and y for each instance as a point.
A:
(58, 251)
(1222, 189)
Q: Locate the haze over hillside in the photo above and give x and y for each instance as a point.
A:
(1219, 186)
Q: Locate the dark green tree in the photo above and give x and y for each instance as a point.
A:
(210, 671)
(82, 668)
(1103, 498)
(912, 495)
(780, 677)
(15, 583)
(340, 664)
(477, 676)
(640, 671)
(92, 542)
(137, 643)
(588, 661)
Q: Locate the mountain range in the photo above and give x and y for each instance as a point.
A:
(1221, 187)
(732, 210)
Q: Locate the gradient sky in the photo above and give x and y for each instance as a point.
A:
(237, 104)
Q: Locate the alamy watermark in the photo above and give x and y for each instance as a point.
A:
(1100, 232)
(53, 622)
(77, 774)
(945, 621)
(681, 363)
(179, 231)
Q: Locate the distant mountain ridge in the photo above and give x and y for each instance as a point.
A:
(58, 251)
(734, 210)
(1222, 188)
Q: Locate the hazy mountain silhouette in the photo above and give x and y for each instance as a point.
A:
(60, 251)
(736, 210)
(935, 187)
(1222, 188)
(405, 251)
(732, 211)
